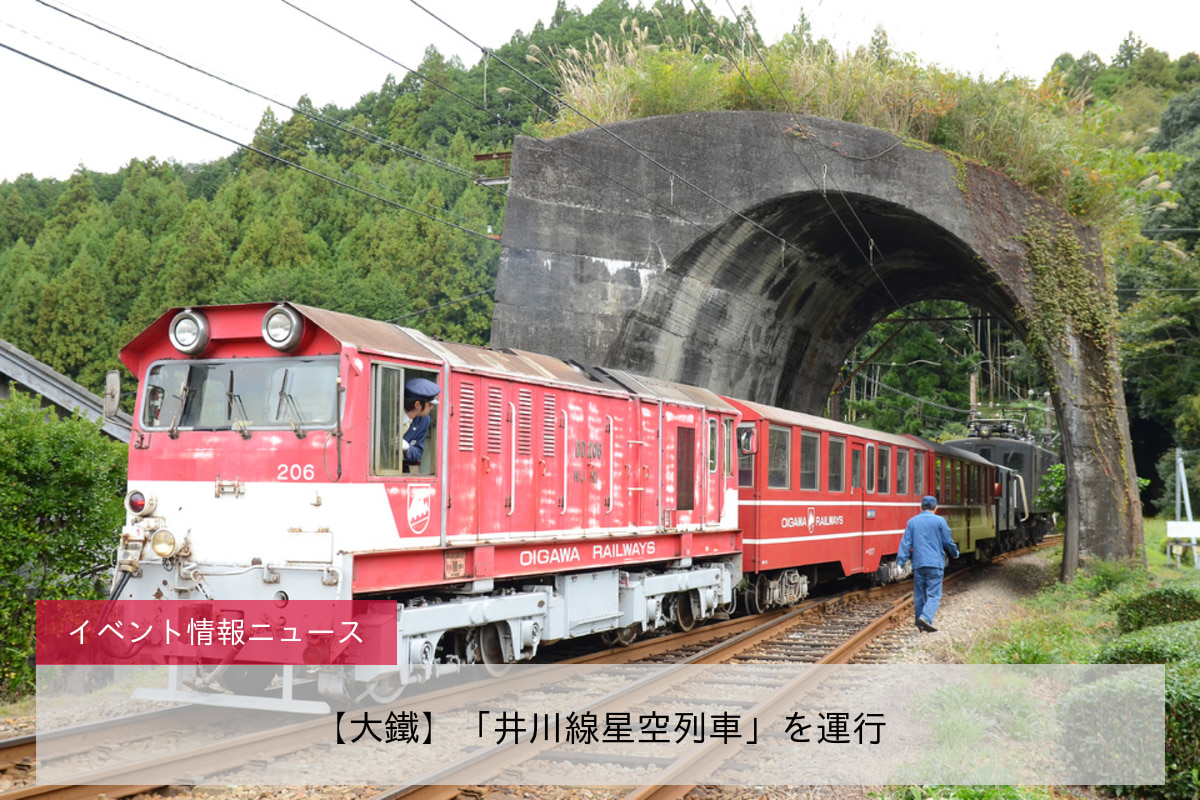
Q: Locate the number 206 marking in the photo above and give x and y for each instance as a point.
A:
(296, 472)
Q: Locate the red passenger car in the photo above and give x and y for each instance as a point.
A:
(822, 500)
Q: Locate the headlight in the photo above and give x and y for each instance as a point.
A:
(140, 504)
(163, 543)
(282, 328)
(189, 332)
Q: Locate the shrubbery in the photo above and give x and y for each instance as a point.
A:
(62, 484)
(1176, 645)
(1116, 701)
(1175, 602)
(1183, 732)
(1162, 644)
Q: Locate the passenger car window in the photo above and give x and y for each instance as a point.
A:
(779, 458)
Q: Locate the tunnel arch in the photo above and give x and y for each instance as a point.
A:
(772, 319)
(726, 250)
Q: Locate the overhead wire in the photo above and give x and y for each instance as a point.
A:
(545, 142)
(391, 60)
(605, 129)
(314, 117)
(281, 144)
(236, 143)
(868, 256)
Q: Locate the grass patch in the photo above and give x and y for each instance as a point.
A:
(973, 793)
(1073, 623)
(18, 708)
(1070, 623)
(1063, 624)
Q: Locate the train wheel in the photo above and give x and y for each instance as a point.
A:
(622, 637)
(759, 598)
(251, 679)
(492, 651)
(685, 612)
(385, 688)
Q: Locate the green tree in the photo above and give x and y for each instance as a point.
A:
(1160, 334)
(297, 133)
(151, 200)
(62, 484)
(196, 261)
(266, 140)
(1154, 68)
(20, 323)
(75, 316)
(1130, 51)
(1187, 70)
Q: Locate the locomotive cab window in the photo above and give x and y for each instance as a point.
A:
(397, 420)
(245, 395)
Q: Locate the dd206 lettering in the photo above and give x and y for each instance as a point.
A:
(296, 472)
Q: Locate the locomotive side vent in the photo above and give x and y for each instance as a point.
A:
(495, 433)
(525, 422)
(548, 437)
(466, 422)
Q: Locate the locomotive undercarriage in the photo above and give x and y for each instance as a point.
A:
(441, 633)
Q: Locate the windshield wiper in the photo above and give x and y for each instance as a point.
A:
(184, 394)
(293, 409)
(234, 403)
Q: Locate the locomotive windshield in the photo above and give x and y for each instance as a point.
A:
(241, 394)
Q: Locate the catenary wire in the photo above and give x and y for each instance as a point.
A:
(621, 140)
(868, 257)
(315, 117)
(273, 140)
(236, 143)
(545, 142)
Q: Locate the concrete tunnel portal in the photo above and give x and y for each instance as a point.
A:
(717, 250)
(771, 304)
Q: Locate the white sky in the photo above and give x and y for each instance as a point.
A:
(54, 123)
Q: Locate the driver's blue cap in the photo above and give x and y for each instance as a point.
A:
(928, 501)
(422, 389)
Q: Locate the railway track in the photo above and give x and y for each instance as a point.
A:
(833, 630)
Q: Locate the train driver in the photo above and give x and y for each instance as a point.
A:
(420, 396)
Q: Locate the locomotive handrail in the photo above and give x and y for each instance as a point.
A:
(512, 459)
(1024, 498)
(564, 464)
(612, 461)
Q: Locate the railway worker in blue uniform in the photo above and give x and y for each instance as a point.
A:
(926, 539)
(420, 396)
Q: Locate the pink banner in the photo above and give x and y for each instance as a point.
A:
(242, 631)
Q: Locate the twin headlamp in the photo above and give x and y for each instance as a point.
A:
(282, 328)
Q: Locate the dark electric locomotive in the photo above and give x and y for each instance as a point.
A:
(1010, 445)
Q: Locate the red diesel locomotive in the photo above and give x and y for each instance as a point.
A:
(551, 500)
